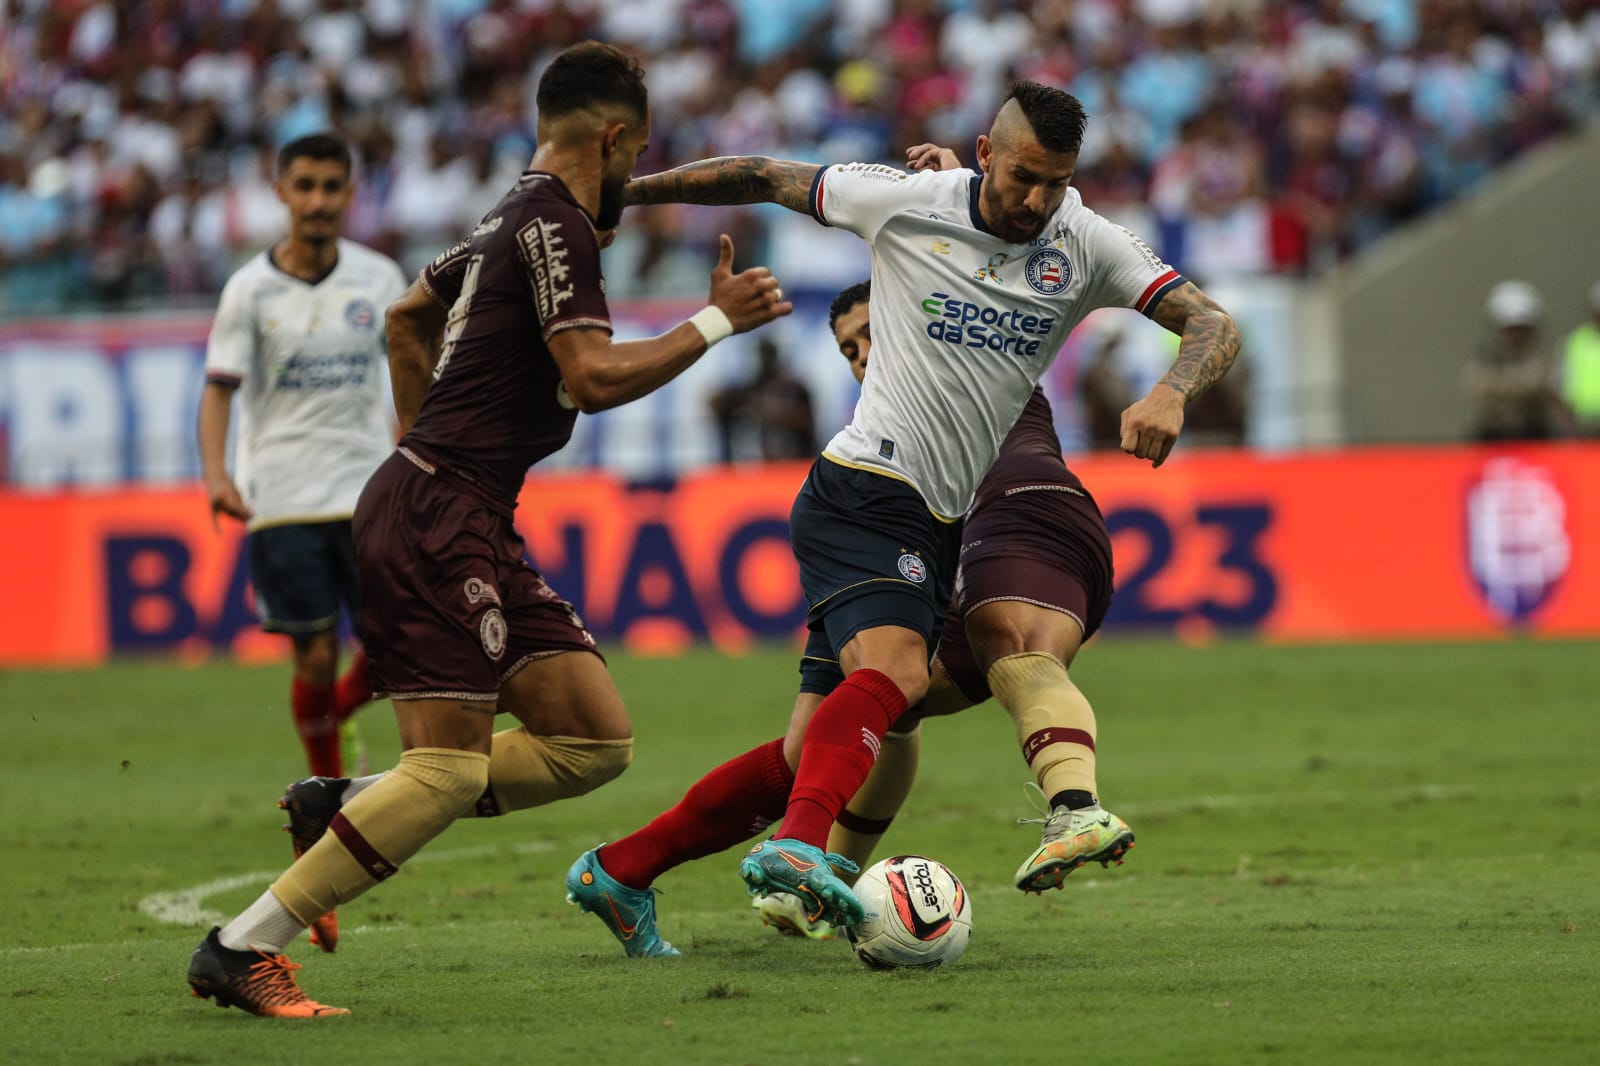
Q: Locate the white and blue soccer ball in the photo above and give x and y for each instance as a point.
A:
(918, 914)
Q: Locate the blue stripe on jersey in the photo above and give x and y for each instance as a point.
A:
(1153, 295)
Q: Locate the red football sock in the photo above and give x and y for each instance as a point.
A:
(314, 718)
(840, 747)
(354, 688)
(730, 804)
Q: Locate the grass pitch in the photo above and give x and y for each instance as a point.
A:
(1346, 854)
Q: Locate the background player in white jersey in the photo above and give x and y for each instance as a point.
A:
(976, 281)
(298, 336)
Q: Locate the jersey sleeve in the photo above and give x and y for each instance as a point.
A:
(231, 347)
(561, 261)
(860, 197)
(442, 278)
(1131, 274)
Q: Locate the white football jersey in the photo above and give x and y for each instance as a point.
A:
(315, 413)
(964, 323)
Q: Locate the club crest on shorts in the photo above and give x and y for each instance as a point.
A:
(478, 590)
(492, 631)
(1048, 271)
(912, 569)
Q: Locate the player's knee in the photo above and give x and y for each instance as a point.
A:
(453, 779)
(316, 658)
(993, 635)
(913, 683)
(583, 765)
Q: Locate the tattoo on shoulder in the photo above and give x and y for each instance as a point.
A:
(740, 179)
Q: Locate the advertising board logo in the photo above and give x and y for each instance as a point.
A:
(1048, 271)
(1518, 545)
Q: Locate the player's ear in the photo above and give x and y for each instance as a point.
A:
(610, 134)
(985, 152)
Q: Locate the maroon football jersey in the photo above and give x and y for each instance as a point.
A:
(1030, 455)
(530, 269)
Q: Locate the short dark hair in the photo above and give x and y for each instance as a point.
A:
(314, 146)
(1057, 117)
(859, 293)
(590, 73)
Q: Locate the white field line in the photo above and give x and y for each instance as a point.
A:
(183, 907)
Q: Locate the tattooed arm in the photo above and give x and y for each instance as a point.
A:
(733, 179)
(1210, 342)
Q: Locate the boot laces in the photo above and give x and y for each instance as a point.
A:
(271, 981)
(1055, 822)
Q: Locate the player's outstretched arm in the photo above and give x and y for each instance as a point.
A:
(599, 374)
(1210, 342)
(414, 329)
(731, 179)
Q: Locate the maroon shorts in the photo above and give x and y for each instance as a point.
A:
(449, 606)
(1043, 546)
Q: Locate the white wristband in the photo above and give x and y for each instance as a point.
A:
(712, 323)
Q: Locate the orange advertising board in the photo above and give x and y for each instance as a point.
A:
(1371, 544)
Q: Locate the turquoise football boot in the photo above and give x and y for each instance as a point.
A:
(630, 913)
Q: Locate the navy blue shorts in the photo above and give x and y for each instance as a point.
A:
(870, 554)
(302, 574)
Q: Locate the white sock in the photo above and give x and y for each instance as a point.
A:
(356, 785)
(264, 925)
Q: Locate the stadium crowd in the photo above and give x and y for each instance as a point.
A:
(1245, 137)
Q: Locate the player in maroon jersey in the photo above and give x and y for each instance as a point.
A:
(493, 350)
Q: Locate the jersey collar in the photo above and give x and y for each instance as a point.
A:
(972, 204)
(272, 261)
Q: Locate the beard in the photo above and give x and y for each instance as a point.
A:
(1019, 226)
(610, 204)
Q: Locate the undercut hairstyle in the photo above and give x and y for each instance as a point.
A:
(1057, 117)
(590, 73)
(859, 293)
(319, 146)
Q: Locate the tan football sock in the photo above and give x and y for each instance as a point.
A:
(529, 771)
(865, 819)
(381, 828)
(1055, 724)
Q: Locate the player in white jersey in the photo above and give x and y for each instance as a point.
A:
(298, 337)
(976, 278)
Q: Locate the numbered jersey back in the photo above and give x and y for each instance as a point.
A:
(529, 270)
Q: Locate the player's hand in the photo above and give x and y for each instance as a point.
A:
(749, 298)
(932, 157)
(1151, 426)
(225, 499)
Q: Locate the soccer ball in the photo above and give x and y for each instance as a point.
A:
(917, 914)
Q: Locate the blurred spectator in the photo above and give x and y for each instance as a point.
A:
(1580, 370)
(769, 416)
(1106, 389)
(1512, 381)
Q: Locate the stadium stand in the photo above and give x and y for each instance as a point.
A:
(1247, 138)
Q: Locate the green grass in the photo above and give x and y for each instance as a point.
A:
(1346, 854)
